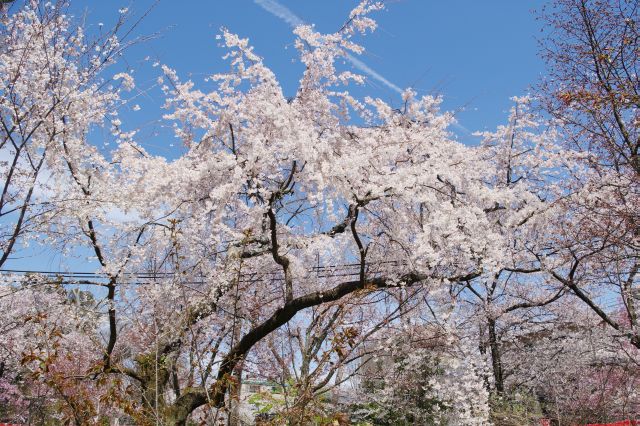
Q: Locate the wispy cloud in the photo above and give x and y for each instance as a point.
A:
(293, 20)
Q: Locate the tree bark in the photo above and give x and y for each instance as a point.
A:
(496, 361)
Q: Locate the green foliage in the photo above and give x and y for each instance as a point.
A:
(404, 402)
(515, 410)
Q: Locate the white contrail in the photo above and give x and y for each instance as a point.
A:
(372, 73)
(282, 12)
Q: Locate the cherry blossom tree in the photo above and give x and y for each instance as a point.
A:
(528, 163)
(48, 348)
(574, 366)
(52, 94)
(267, 184)
(592, 92)
(424, 374)
(292, 237)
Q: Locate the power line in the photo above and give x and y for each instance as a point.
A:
(149, 277)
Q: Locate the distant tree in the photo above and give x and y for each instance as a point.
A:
(575, 366)
(423, 373)
(592, 84)
(592, 91)
(527, 160)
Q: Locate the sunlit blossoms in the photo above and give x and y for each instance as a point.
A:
(314, 257)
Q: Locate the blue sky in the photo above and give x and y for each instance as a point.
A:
(476, 54)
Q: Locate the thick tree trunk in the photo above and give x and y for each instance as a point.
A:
(496, 361)
(483, 351)
(235, 391)
(178, 413)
